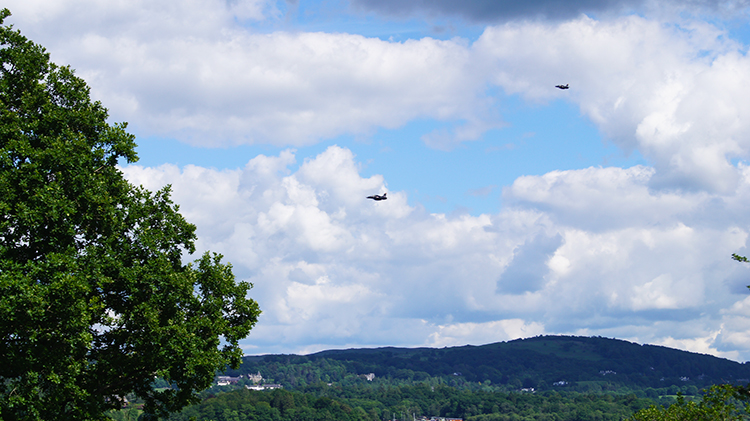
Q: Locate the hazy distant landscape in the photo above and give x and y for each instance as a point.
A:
(539, 378)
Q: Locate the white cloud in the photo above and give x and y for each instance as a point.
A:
(480, 333)
(735, 327)
(620, 240)
(622, 196)
(702, 345)
(639, 252)
(193, 73)
(675, 92)
(331, 268)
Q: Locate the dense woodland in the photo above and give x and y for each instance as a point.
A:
(406, 402)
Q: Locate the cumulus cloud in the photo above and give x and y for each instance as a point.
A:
(479, 333)
(333, 269)
(619, 231)
(193, 73)
(673, 92)
(621, 195)
(634, 252)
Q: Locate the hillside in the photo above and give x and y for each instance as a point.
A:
(542, 362)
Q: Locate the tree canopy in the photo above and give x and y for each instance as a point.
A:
(718, 403)
(95, 300)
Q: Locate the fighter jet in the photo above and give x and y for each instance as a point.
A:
(562, 86)
(378, 197)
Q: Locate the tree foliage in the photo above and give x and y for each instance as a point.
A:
(719, 403)
(95, 300)
(407, 402)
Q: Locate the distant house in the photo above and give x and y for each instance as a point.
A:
(368, 377)
(227, 380)
(264, 386)
(255, 378)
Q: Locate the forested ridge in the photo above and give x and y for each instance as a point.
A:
(579, 363)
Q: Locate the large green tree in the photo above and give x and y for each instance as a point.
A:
(95, 300)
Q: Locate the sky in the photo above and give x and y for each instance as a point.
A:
(515, 209)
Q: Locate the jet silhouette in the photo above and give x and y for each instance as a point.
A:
(562, 86)
(378, 197)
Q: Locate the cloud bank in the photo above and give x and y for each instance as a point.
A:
(674, 92)
(639, 253)
(591, 251)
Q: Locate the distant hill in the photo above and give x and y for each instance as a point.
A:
(542, 362)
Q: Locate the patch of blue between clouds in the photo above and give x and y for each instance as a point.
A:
(470, 178)
(466, 180)
(739, 31)
(737, 28)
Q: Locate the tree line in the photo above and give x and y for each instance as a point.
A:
(406, 402)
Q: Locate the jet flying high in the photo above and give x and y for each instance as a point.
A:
(378, 197)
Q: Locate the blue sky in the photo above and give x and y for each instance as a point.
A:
(515, 209)
(537, 139)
